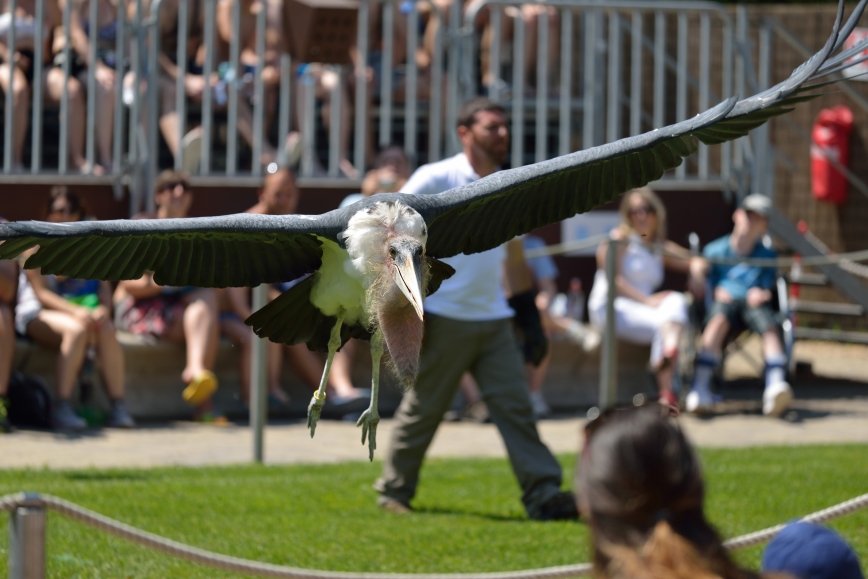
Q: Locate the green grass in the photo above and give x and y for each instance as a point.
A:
(469, 517)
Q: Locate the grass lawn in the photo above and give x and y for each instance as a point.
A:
(469, 517)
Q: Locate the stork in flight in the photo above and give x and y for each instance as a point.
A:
(369, 265)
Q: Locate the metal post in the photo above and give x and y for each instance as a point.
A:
(258, 400)
(63, 146)
(36, 102)
(152, 116)
(180, 91)
(90, 133)
(283, 115)
(565, 114)
(613, 112)
(681, 82)
(386, 76)
(361, 112)
(636, 74)
(410, 100)
(27, 542)
(542, 87)
(608, 369)
(591, 21)
(231, 79)
(335, 122)
(258, 95)
(496, 26)
(659, 69)
(517, 133)
(7, 132)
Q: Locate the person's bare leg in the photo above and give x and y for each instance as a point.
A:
(200, 332)
(59, 330)
(274, 355)
(111, 361)
(168, 114)
(105, 114)
(242, 338)
(76, 118)
(245, 129)
(306, 364)
(772, 344)
(20, 108)
(536, 375)
(341, 377)
(7, 347)
(715, 332)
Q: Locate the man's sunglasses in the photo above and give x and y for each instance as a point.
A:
(173, 184)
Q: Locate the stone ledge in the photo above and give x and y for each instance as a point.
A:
(153, 370)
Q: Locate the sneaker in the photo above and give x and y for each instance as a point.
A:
(777, 398)
(191, 147)
(698, 402)
(393, 505)
(561, 507)
(5, 426)
(67, 420)
(539, 405)
(119, 417)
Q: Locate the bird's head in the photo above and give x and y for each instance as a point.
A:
(386, 242)
(406, 268)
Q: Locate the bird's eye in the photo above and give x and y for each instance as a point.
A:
(392, 252)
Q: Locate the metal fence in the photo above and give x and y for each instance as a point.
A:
(602, 72)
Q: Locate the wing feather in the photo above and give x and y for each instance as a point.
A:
(521, 199)
(234, 250)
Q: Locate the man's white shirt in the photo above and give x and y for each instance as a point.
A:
(475, 292)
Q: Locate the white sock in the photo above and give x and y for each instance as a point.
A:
(706, 363)
(775, 369)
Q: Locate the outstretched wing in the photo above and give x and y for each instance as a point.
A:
(233, 250)
(493, 210)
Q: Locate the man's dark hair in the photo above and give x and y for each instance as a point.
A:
(467, 112)
(169, 178)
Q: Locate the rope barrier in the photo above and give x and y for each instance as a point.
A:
(846, 261)
(238, 565)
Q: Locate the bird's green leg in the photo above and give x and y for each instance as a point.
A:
(314, 409)
(370, 417)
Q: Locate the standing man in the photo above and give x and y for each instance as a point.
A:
(468, 328)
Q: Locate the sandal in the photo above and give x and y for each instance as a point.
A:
(201, 388)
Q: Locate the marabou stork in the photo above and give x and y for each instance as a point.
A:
(369, 265)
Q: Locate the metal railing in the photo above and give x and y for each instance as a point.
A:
(603, 71)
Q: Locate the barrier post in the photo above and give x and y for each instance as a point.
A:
(608, 370)
(258, 400)
(27, 541)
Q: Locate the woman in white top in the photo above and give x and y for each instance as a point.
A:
(642, 314)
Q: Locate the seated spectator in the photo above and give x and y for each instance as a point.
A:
(8, 278)
(52, 77)
(72, 315)
(643, 315)
(640, 490)
(179, 314)
(741, 295)
(279, 196)
(809, 551)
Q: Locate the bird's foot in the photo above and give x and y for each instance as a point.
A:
(368, 421)
(314, 409)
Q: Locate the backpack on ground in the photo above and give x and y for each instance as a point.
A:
(29, 401)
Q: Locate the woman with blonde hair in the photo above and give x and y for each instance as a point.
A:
(642, 314)
(641, 493)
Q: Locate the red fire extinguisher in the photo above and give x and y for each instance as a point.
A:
(831, 134)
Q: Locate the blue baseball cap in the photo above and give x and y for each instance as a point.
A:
(810, 551)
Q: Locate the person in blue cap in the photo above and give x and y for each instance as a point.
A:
(809, 551)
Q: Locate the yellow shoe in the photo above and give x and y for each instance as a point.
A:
(201, 388)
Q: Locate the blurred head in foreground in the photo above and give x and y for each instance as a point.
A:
(809, 551)
(640, 489)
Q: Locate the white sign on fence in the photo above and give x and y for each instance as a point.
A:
(857, 71)
(585, 225)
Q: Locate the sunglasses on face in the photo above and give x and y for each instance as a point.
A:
(643, 210)
(66, 210)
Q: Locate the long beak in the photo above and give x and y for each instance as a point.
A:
(408, 277)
